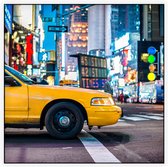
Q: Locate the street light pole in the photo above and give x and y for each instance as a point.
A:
(56, 79)
(141, 38)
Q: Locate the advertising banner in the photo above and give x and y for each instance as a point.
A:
(8, 17)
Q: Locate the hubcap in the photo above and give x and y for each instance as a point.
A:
(64, 121)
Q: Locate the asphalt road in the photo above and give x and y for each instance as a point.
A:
(137, 138)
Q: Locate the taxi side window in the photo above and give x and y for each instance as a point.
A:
(10, 81)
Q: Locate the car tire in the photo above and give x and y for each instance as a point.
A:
(64, 120)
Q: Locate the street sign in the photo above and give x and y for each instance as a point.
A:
(58, 28)
(47, 19)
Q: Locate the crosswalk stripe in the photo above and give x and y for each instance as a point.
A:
(122, 124)
(149, 117)
(155, 114)
(96, 149)
(134, 118)
(121, 120)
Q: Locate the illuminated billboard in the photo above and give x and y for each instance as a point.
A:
(92, 71)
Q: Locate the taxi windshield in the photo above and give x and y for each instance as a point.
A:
(20, 76)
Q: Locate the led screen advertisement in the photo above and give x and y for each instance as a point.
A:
(29, 54)
(92, 71)
(124, 61)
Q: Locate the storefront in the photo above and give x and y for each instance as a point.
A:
(152, 92)
(24, 49)
(25, 39)
(19, 56)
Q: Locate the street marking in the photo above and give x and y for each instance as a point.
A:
(155, 114)
(134, 118)
(120, 120)
(150, 117)
(96, 149)
(120, 124)
(65, 148)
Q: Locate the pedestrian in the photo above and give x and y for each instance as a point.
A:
(126, 97)
(122, 98)
(107, 86)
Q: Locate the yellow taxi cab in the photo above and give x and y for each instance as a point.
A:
(62, 110)
(69, 83)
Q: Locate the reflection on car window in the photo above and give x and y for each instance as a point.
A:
(6, 83)
(7, 80)
(19, 75)
(5, 74)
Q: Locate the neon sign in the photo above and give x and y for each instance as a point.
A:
(29, 69)
(29, 49)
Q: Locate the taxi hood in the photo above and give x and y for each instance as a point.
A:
(69, 89)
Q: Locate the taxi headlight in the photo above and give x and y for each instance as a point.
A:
(102, 101)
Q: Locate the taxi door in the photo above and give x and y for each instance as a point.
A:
(16, 101)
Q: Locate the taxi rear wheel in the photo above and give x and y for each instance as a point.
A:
(64, 120)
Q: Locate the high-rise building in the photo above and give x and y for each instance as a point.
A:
(77, 37)
(152, 22)
(124, 19)
(125, 32)
(96, 30)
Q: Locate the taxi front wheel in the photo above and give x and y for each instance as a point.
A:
(64, 120)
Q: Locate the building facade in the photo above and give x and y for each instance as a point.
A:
(96, 30)
(24, 37)
(125, 32)
(76, 39)
(152, 19)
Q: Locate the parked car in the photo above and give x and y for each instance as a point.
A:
(62, 110)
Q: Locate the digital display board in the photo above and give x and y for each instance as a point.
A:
(92, 71)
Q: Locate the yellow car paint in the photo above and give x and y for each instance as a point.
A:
(25, 103)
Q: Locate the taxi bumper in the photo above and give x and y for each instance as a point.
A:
(104, 115)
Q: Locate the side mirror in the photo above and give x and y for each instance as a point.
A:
(11, 81)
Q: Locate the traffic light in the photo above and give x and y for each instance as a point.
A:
(151, 60)
(148, 61)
